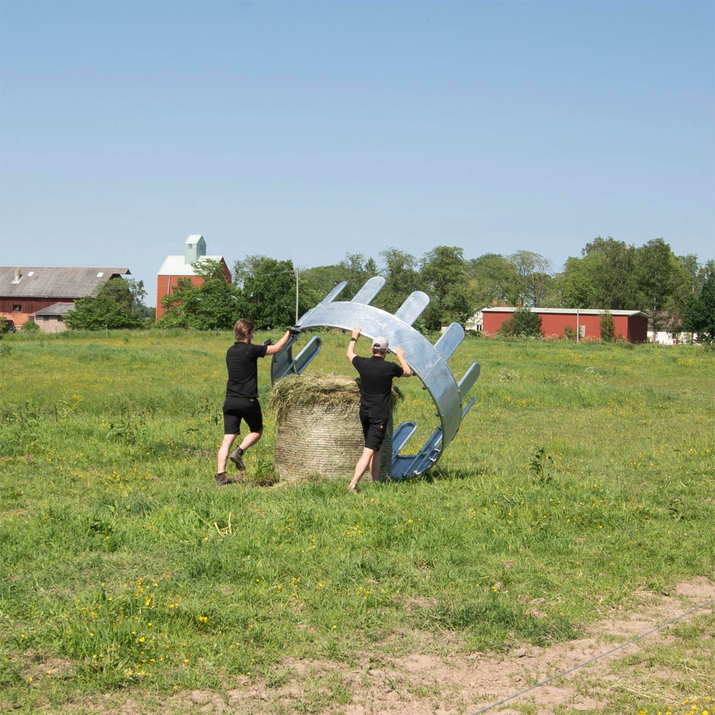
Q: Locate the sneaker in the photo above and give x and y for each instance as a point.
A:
(222, 479)
(236, 458)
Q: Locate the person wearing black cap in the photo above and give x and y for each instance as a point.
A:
(241, 401)
(376, 375)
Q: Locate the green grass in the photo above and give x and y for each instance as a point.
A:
(583, 473)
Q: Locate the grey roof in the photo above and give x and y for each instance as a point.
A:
(56, 309)
(42, 282)
(567, 311)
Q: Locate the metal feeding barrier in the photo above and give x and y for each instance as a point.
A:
(427, 361)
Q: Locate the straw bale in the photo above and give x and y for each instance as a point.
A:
(318, 427)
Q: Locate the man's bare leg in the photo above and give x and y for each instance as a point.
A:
(224, 449)
(362, 464)
(375, 466)
(249, 440)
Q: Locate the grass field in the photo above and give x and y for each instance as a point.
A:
(582, 477)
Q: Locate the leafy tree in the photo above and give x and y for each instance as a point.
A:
(533, 276)
(356, 269)
(209, 269)
(317, 282)
(609, 264)
(492, 280)
(213, 305)
(578, 289)
(116, 304)
(267, 291)
(444, 273)
(699, 314)
(402, 278)
(521, 324)
(608, 327)
(656, 272)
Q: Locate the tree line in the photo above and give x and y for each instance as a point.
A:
(677, 292)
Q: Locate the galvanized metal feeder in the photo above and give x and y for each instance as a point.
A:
(427, 361)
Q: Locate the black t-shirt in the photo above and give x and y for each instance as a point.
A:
(241, 361)
(376, 376)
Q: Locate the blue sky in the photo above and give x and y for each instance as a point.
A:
(306, 130)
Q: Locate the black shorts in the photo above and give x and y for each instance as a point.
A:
(240, 408)
(373, 429)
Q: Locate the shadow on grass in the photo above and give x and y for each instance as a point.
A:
(447, 474)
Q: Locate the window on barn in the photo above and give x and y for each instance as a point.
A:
(17, 308)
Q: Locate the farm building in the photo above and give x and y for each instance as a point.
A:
(176, 267)
(25, 291)
(52, 318)
(631, 325)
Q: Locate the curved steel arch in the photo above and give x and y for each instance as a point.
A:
(428, 362)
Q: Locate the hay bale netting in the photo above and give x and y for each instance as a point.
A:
(318, 427)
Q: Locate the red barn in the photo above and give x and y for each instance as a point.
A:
(175, 267)
(28, 289)
(631, 325)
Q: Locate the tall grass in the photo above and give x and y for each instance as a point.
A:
(582, 475)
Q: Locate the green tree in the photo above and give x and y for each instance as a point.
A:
(402, 279)
(521, 324)
(699, 314)
(492, 280)
(578, 289)
(657, 272)
(444, 273)
(609, 265)
(267, 291)
(116, 304)
(533, 275)
(213, 305)
(317, 282)
(608, 327)
(356, 269)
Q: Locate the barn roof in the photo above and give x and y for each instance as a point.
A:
(43, 282)
(567, 311)
(175, 266)
(56, 309)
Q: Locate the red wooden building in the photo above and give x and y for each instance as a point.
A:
(176, 267)
(28, 289)
(631, 325)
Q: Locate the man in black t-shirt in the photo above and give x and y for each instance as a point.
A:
(242, 395)
(376, 375)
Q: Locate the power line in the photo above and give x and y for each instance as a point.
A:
(594, 659)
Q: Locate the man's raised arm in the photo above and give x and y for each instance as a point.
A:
(400, 355)
(351, 345)
(274, 349)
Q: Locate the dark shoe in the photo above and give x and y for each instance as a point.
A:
(236, 458)
(222, 479)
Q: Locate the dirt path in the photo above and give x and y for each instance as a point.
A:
(423, 684)
(428, 685)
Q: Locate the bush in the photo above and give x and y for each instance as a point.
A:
(569, 333)
(522, 324)
(30, 326)
(608, 327)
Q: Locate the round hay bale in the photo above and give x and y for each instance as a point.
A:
(318, 428)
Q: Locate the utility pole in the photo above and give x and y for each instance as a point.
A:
(297, 289)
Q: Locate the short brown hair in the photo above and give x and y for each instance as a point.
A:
(242, 329)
